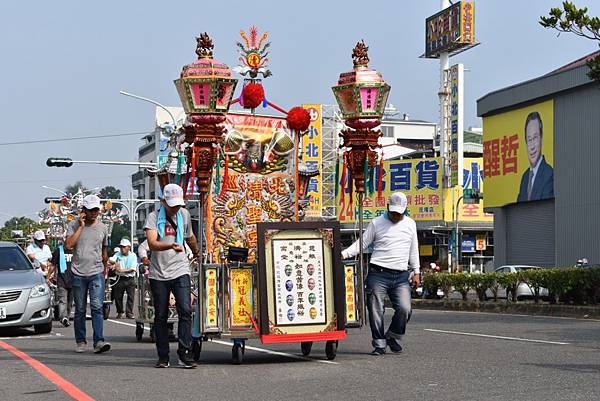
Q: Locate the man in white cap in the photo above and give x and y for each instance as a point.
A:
(88, 238)
(166, 230)
(125, 267)
(38, 252)
(395, 256)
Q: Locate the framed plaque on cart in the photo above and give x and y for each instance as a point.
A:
(301, 282)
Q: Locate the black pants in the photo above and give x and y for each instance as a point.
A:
(125, 284)
(161, 290)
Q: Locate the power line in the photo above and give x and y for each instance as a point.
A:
(60, 180)
(76, 138)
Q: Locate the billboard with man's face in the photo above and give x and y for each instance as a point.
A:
(518, 155)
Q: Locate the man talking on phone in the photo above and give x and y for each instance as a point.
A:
(88, 238)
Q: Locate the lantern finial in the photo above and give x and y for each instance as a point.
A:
(204, 46)
(360, 54)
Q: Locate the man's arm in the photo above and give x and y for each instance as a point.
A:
(72, 239)
(413, 258)
(193, 244)
(354, 249)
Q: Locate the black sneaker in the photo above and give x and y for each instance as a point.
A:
(162, 363)
(378, 351)
(394, 346)
(65, 322)
(186, 360)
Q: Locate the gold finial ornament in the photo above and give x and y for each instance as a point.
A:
(204, 46)
(360, 54)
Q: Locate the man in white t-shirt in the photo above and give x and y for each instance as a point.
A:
(395, 256)
(38, 252)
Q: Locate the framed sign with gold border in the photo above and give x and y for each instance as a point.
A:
(301, 282)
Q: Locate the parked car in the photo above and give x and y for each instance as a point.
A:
(25, 298)
(523, 290)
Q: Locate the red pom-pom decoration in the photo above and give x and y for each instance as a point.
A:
(298, 119)
(252, 95)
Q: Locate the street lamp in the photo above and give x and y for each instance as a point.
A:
(145, 99)
(361, 95)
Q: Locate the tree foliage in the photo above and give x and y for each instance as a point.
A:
(576, 20)
(72, 189)
(27, 225)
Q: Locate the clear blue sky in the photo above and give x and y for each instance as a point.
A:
(64, 62)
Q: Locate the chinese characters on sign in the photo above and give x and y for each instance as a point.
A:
(500, 156)
(350, 294)
(456, 122)
(241, 304)
(299, 281)
(211, 298)
(420, 179)
(313, 155)
(450, 30)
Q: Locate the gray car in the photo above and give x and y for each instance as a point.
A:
(523, 290)
(25, 298)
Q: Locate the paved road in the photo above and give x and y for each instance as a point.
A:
(448, 356)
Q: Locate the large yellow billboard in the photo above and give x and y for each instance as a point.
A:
(518, 155)
(421, 181)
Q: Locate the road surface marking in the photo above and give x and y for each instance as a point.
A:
(66, 386)
(32, 336)
(268, 351)
(498, 337)
(229, 344)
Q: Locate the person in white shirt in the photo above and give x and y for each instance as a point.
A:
(394, 264)
(38, 252)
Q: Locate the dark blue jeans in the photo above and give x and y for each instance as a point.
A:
(397, 288)
(161, 290)
(95, 286)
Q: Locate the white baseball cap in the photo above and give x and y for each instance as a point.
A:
(91, 202)
(39, 235)
(397, 202)
(124, 242)
(173, 195)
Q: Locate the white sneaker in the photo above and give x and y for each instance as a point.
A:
(80, 348)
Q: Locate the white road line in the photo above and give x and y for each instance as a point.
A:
(497, 337)
(266, 351)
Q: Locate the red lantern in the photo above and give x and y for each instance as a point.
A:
(252, 95)
(298, 119)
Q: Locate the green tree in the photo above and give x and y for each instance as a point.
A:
(576, 20)
(72, 189)
(27, 225)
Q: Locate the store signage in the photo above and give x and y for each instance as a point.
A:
(450, 30)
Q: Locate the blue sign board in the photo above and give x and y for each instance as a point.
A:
(467, 244)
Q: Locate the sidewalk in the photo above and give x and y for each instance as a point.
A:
(522, 308)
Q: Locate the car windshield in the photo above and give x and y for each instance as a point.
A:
(11, 258)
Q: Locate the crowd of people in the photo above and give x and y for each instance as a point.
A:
(80, 266)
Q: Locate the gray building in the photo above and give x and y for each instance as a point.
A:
(564, 227)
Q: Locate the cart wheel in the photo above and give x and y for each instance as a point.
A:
(139, 331)
(331, 349)
(306, 346)
(106, 311)
(196, 349)
(236, 354)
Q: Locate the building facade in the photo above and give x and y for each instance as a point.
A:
(556, 118)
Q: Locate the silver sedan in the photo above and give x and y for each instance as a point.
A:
(25, 298)
(523, 290)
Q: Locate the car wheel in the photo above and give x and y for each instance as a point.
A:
(43, 328)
